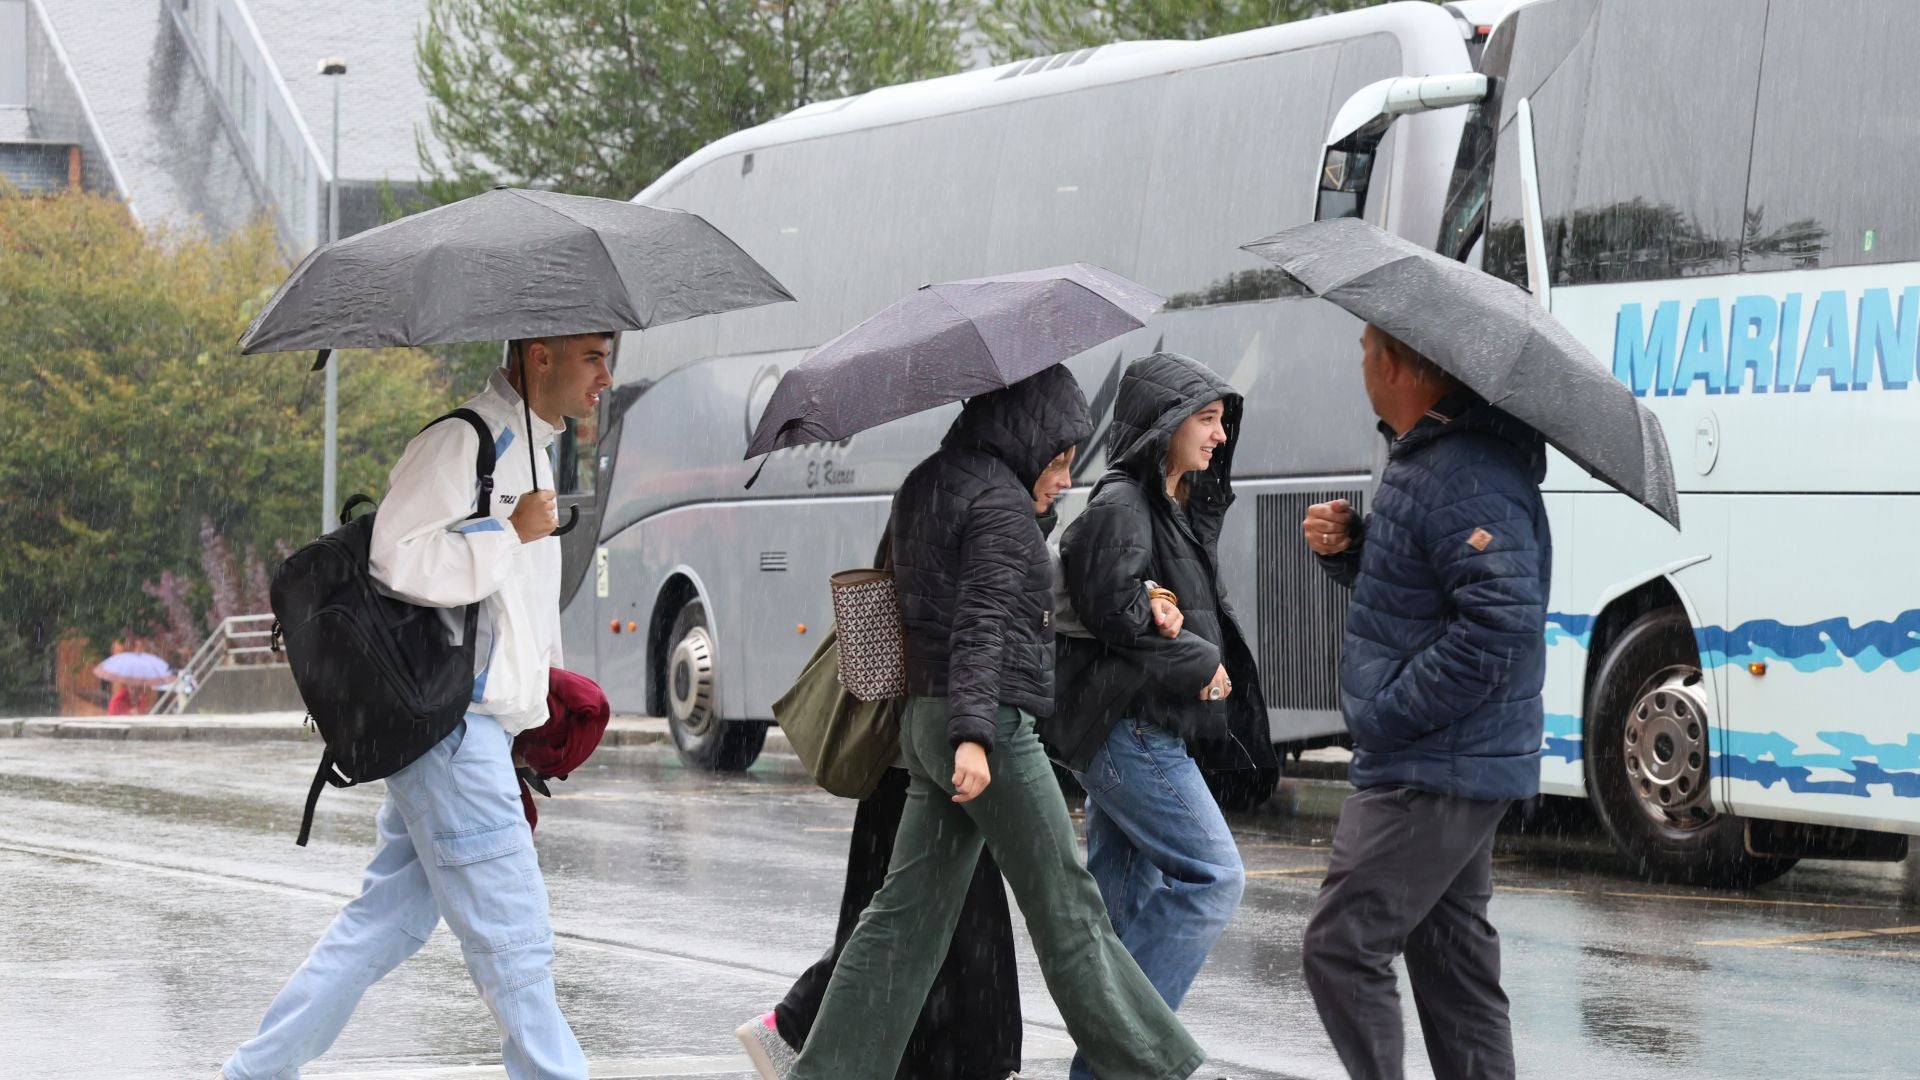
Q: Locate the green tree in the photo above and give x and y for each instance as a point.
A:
(1023, 28)
(599, 97)
(129, 418)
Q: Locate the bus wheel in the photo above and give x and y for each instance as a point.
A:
(1648, 769)
(704, 739)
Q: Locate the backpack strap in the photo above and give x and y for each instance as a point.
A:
(322, 776)
(483, 460)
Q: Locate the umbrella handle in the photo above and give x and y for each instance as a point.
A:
(573, 518)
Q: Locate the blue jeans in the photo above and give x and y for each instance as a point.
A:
(1162, 855)
(459, 805)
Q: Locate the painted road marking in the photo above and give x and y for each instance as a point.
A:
(1693, 898)
(1040, 1040)
(725, 1065)
(1803, 939)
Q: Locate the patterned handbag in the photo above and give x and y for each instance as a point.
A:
(873, 644)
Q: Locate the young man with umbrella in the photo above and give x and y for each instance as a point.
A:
(534, 268)
(452, 841)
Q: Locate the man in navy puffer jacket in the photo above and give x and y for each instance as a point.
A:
(1440, 680)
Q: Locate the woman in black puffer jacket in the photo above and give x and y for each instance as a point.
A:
(1138, 715)
(976, 594)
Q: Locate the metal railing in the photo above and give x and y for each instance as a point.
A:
(240, 640)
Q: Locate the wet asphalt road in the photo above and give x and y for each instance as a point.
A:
(155, 901)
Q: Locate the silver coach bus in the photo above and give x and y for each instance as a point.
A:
(689, 596)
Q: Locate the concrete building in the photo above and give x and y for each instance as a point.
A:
(211, 113)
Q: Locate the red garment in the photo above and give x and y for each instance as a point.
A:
(577, 713)
(121, 703)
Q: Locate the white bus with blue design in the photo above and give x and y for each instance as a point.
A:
(1718, 198)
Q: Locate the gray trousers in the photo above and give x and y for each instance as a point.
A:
(1411, 873)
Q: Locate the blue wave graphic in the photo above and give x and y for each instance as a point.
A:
(1817, 646)
(1577, 629)
(1769, 758)
(1564, 737)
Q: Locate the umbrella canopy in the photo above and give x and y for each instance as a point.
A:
(510, 264)
(1493, 337)
(134, 669)
(944, 343)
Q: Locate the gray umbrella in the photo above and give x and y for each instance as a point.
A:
(1491, 336)
(509, 264)
(944, 343)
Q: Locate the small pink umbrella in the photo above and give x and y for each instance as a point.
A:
(134, 669)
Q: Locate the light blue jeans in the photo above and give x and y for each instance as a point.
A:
(1160, 851)
(453, 844)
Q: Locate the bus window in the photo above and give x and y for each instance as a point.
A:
(1834, 151)
(576, 457)
(929, 213)
(1543, 54)
(1232, 132)
(1069, 189)
(1668, 118)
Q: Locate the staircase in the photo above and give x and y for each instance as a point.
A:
(240, 646)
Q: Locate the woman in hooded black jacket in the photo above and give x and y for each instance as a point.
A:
(1138, 715)
(970, 1027)
(976, 595)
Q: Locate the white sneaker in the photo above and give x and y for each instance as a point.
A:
(770, 1054)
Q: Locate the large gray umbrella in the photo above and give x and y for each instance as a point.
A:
(510, 264)
(1491, 336)
(944, 343)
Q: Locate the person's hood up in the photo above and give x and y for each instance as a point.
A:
(1027, 424)
(1464, 411)
(1157, 394)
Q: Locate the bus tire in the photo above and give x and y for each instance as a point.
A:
(1647, 766)
(704, 739)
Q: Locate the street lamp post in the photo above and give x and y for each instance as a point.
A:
(333, 67)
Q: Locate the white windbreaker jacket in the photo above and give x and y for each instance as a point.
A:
(425, 551)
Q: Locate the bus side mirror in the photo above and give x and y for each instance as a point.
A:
(1346, 171)
(1345, 174)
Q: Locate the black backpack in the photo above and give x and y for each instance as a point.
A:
(378, 676)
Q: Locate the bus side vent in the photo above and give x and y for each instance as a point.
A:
(1048, 63)
(1302, 613)
(773, 562)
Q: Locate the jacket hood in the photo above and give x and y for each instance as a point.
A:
(1027, 424)
(1465, 411)
(1157, 394)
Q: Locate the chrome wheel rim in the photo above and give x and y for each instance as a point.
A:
(1665, 749)
(690, 681)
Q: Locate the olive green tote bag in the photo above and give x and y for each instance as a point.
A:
(846, 744)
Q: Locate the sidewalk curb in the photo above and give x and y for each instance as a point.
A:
(623, 732)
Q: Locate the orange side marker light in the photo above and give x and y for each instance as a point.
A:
(1758, 667)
